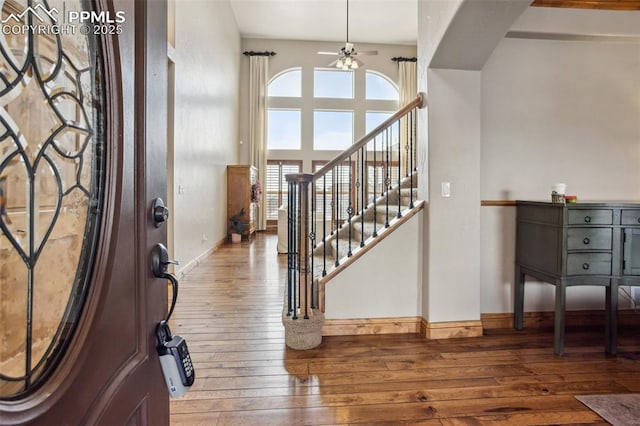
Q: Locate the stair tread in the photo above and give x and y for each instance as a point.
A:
(399, 199)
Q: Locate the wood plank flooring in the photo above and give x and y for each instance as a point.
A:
(229, 311)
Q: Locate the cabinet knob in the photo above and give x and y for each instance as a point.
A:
(586, 240)
(585, 266)
(587, 219)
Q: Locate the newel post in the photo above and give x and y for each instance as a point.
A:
(302, 322)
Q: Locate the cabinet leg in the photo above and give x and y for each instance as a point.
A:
(611, 331)
(558, 325)
(518, 300)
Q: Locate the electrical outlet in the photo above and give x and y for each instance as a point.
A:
(180, 189)
(204, 237)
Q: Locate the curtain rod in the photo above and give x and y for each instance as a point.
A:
(403, 59)
(252, 53)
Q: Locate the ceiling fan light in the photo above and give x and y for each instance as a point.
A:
(339, 64)
(348, 61)
(354, 65)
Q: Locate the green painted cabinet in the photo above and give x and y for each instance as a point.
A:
(587, 243)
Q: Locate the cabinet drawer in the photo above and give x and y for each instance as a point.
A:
(589, 264)
(590, 217)
(631, 217)
(589, 239)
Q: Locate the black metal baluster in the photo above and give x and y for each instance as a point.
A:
(324, 225)
(406, 144)
(399, 171)
(413, 168)
(304, 218)
(289, 249)
(414, 138)
(333, 200)
(336, 170)
(386, 174)
(338, 194)
(313, 215)
(312, 237)
(363, 202)
(296, 243)
(350, 208)
(357, 206)
(375, 185)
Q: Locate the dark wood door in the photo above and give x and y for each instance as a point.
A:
(110, 373)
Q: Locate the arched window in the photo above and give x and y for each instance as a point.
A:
(287, 84)
(380, 87)
(309, 125)
(285, 121)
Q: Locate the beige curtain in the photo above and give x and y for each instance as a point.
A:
(258, 80)
(407, 82)
(408, 87)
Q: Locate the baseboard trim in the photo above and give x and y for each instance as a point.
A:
(363, 326)
(450, 329)
(198, 260)
(545, 319)
(456, 329)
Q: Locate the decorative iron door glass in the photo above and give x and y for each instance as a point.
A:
(51, 165)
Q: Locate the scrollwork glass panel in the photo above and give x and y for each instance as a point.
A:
(51, 186)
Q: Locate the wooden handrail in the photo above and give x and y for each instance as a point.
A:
(418, 102)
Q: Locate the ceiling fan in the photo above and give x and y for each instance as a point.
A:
(348, 56)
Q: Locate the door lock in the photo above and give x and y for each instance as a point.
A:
(159, 212)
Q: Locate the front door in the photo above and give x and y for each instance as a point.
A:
(82, 157)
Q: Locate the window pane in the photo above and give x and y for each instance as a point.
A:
(374, 119)
(332, 130)
(333, 84)
(287, 84)
(276, 188)
(379, 87)
(284, 129)
(332, 196)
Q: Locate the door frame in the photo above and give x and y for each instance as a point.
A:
(124, 138)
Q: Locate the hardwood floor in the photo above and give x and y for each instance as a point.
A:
(229, 311)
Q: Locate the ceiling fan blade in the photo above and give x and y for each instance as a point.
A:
(367, 52)
(333, 64)
(328, 53)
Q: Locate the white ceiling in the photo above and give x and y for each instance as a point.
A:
(370, 21)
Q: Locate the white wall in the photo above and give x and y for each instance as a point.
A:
(549, 111)
(455, 38)
(290, 54)
(556, 111)
(364, 290)
(207, 68)
(454, 157)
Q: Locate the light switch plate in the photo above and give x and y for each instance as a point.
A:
(445, 189)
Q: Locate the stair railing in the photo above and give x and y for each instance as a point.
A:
(327, 209)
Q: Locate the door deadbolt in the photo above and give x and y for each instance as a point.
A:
(159, 212)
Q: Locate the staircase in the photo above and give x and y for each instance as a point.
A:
(355, 237)
(343, 210)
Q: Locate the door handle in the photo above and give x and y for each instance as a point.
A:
(160, 267)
